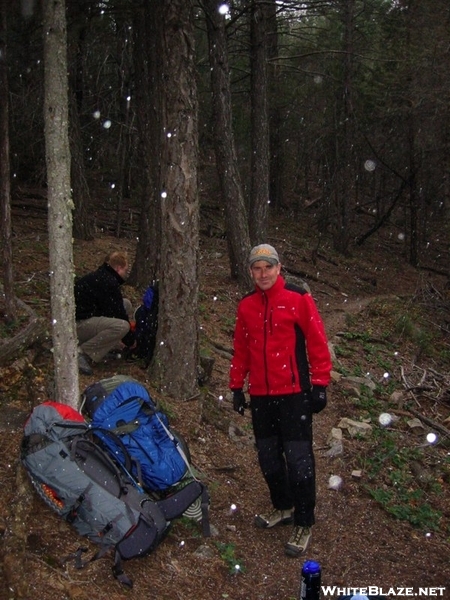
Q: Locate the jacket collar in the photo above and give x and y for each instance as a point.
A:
(113, 272)
(273, 291)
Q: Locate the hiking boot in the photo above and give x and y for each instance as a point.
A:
(282, 517)
(298, 542)
(113, 355)
(84, 364)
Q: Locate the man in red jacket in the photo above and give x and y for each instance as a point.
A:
(281, 350)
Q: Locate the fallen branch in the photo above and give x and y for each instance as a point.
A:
(429, 422)
(33, 332)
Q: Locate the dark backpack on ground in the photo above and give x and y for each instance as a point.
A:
(133, 429)
(146, 319)
(80, 481)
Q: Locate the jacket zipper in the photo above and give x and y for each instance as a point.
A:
(266, 372)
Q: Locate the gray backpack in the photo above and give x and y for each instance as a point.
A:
(86, 487)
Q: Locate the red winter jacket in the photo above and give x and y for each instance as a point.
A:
(279, 342)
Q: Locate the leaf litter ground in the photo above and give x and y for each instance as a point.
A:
(357, 541)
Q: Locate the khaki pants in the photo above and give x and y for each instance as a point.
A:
(98, 335)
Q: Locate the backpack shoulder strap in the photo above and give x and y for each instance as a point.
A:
(129, 461)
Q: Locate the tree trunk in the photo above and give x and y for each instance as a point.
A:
(60, 203)
(260, 125)
(238, 237)
(176, 361)
(83, 228)
(148, 78)
(275, 110)
(83, 225)
(414, 198)
(126, 122)
(345, 189)
(5, 187)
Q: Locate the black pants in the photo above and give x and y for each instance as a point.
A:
(283, 432)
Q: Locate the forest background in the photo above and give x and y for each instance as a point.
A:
(189, 121)
(338, 109)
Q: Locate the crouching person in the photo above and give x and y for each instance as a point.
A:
(101, 315)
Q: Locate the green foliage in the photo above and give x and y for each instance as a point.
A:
(7, 330)
(228, 555)
(227, 323)
(408, 505)
(343, 351)
(166, 408)
(189, 526)
(369, 403)
(390, 457)
(409, 327)
(392, 485)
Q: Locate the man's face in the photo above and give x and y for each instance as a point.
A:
(264, 274)
(123, 271)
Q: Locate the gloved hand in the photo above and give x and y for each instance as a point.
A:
(318, 398)
(239, 401)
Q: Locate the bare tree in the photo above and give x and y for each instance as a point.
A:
(5, 188)
(60, 203)
(260, 123)
(275, 108)
(176, 361)
(83, 225)
(344, 189)
(238, 237)
(147, 67)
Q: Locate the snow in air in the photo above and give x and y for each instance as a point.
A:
(224, 9)
(432, 438)
(335, 482)
(385, 419)
(369, 165)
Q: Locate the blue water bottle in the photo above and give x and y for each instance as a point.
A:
(310, 586)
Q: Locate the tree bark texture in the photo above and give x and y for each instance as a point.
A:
(5, 186)
(275, 109)
(83, 224)
(259, 201)
(176, 360)
(147, 64)
(238, 237)
(345, 187)
(60, 203)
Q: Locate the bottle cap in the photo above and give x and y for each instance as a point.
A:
(310, 567)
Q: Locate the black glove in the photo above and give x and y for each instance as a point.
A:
(129, 339)
(318, 398)
(239, 401)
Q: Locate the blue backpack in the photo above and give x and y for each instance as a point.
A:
(130, 425)
(85, 486)
(146, 319)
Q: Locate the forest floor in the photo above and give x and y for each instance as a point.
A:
(388, 524)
